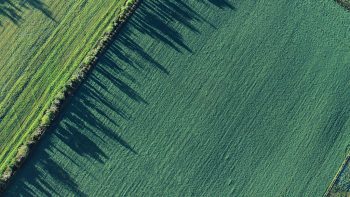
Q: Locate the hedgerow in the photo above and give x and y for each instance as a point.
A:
(72, 84)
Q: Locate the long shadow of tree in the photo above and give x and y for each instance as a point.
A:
(93, 115)
(12, 9)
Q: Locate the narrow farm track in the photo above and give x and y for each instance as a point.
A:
(37, 65)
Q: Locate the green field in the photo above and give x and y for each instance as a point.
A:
(42, 43)
(342, 183)
(206, 98)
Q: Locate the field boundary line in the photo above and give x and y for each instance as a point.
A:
(18, 139)
(59, 101)
(337, 175)
(345, 4)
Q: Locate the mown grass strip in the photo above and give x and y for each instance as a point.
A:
(60, 99)
(51, 70)
(37, 78)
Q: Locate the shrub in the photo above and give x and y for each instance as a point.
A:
(47, 118)
(22, 151)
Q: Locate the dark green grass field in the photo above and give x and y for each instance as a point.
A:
(206, 98)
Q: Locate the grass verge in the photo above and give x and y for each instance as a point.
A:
(72, 84)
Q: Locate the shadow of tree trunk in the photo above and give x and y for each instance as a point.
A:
(12, 9)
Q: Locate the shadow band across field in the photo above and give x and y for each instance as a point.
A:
(12, 9)
(84, 128)
(93, 127)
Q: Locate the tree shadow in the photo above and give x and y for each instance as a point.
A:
(334, 127)
(153, 19)
(342, 182)
(12, 9)
(84, 128)
(53, 170)
(222, 4)
(39, 5)
(92, 117)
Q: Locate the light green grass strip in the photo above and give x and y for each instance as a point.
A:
(49, 67)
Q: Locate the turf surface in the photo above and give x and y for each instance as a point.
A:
(42, 43)
(206, 98)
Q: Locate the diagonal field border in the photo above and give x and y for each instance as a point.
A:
(72, 84)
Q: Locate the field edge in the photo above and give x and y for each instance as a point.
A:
(57, 105)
